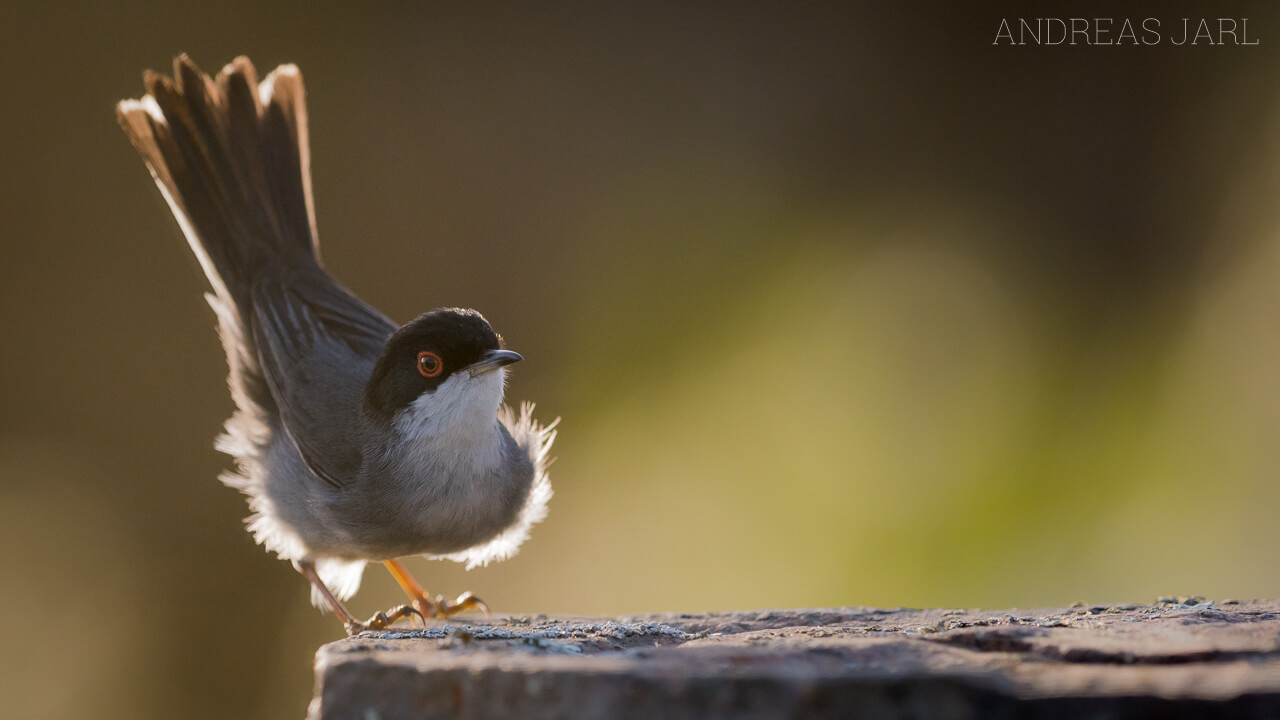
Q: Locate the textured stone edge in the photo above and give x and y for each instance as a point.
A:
(565, 667)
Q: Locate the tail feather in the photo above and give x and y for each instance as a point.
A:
(231, 157)
(289, 153)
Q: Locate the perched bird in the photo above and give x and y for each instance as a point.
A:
(355, 440)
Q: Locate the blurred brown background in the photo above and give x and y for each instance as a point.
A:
(840, 307)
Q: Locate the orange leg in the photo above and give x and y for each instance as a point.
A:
(379, 621)
(427, 605)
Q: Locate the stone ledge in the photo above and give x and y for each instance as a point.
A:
(1178, 657)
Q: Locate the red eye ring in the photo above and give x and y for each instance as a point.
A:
(430, 364)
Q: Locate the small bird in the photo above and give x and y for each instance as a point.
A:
(355, 440)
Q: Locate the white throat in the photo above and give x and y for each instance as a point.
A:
(456, 426)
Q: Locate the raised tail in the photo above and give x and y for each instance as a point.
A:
(231, 157)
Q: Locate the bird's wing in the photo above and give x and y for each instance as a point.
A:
(318, 344)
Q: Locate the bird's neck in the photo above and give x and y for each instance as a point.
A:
(456, 426)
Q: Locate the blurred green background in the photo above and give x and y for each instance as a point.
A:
(841, 305)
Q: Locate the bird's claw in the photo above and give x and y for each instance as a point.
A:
(440, 607)
(384, 620)
(466, 601)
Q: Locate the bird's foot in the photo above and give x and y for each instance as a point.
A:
(440, 607)
(432, 606)
(383, 620)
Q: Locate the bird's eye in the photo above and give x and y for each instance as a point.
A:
(430, 364)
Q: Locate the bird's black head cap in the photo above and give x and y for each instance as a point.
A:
(424, 353)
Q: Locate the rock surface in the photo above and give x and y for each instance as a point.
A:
(1180, 657)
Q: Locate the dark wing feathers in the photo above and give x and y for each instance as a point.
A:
(317, 346)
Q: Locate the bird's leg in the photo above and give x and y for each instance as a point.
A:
(432, 606)
(380, 621)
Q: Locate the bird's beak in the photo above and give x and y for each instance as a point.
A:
(491, 361)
